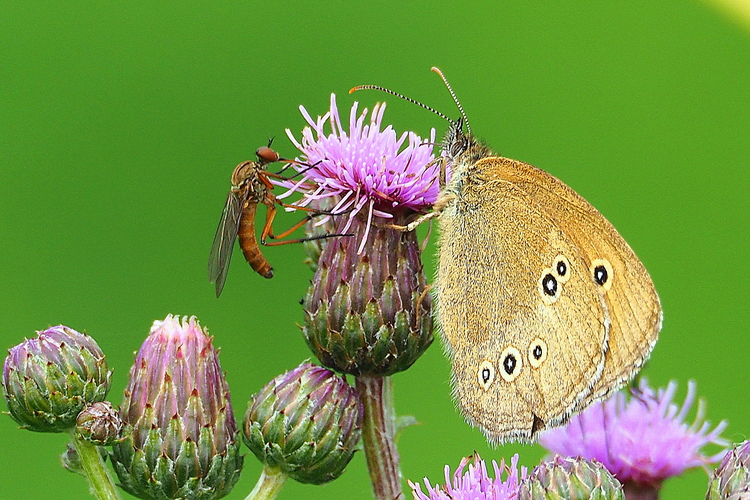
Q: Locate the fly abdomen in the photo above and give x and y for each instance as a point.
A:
(249, 244)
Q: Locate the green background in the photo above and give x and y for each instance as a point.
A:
(120, 124)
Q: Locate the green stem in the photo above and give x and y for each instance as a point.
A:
(96, 472)
(378, 432)
(269, 484)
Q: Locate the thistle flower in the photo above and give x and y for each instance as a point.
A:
(570, 479)
(49, 379)
(475, 484)
(367, 311)
(363, 168)
(306, 423)
(184, 442)
(642, 440)
(731, 480)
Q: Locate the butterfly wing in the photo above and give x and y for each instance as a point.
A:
(527, 342)
(631, 299)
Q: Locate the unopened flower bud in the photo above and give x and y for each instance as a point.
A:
(731, 480)
(100, 424)
(49, 379)
(305, 422)
(185, 438)
(570, 479)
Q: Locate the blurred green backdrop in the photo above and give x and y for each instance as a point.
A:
(120, 125)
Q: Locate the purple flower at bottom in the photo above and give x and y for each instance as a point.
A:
(642, 440)
(366, 169)
(475, 484)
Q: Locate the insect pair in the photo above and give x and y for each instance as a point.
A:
(251, 186)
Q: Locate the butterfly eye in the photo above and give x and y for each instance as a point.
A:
(549, 288)
(561, 268)
(601, 271)
(510, 363)
(486, 374)
(537, 352)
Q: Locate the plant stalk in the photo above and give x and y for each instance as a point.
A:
(96, 472)
(269, 484)
(639, 492)
(378, 433)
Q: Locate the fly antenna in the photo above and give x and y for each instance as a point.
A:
(455, 99)
(402, 96)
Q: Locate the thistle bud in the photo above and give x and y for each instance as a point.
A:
(185, 438)
(570, 479)
(49, 379)
(731, 480)
(100, 424)
(369, 313)
(306, 423)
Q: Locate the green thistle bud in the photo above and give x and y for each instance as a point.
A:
(185, 438)
(49, 379)
(100, 424)
(369, 313)
(306, 422)
(731, 480)
(570, 479)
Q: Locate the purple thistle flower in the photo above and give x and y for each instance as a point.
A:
(363, 169)
(642, 440)
(475, 484)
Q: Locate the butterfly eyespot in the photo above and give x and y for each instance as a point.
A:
(561, 268)
(602, 273)
(549, 285)
(510, 363)
(549, 288)
(537, 352)
(486, 374)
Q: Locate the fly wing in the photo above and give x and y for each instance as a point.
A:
(226, 234)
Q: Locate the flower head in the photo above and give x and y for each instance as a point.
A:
(367, 311)
(731, 479)
(100, 423)
(642, 440)
(570, 479)
(475, 484)
(49, 379)
(363, 169)
(306, 423)
(185, 438)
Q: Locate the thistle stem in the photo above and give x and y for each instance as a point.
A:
(96, 472)
(635, 491)
(378, 432)
(269, 484)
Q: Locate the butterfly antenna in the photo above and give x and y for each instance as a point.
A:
(455, 99)
(402, 96)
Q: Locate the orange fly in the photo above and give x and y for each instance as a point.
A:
(250, 186)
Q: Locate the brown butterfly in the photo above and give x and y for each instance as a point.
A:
(543, 306)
